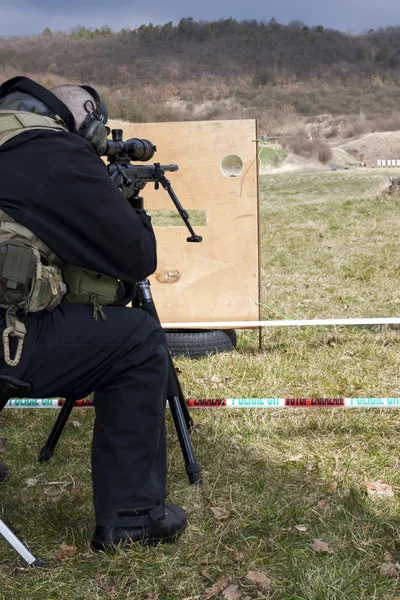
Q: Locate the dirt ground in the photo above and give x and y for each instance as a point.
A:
(372, 147)
(362, 151)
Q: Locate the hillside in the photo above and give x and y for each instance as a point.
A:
(374, 146)
(227, 49)
(298, 81)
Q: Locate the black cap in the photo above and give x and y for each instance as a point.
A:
(28, 86)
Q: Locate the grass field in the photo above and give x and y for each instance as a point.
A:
(274, 481)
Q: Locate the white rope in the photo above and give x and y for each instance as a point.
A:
(287, 323)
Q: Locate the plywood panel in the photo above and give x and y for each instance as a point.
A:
(217, 279)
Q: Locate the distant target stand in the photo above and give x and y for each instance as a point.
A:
(249, 403)
(266, 143)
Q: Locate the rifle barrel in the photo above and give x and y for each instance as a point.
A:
(150, 168)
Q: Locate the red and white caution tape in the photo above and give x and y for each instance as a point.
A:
(232, 403)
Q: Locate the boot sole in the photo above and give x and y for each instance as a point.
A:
(143, 540)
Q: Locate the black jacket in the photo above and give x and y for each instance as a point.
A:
(56, 186)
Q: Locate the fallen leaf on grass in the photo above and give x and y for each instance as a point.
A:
(319, 546)
(220, 512)
(232, 592)
(260, 579)
(390, 569)
(217, 588)
(206, 574)
(295, 458)
(322, 503)
(339, 473)
(30, 482)
(216, 382)
(302, 528)
(239, 556)
(378, 488)
(66, 551)
(3, 444)
(334, 486)
(76, 423)
(387, 557)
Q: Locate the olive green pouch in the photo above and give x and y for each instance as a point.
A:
(89, 287)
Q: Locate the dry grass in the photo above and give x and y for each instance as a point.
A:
(312, 149)
(329, 249)
(327, 112)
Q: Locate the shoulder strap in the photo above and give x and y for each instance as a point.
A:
(13, 123)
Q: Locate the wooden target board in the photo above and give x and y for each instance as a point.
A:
(219, 278)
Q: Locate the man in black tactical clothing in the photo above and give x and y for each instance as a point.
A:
(54, 183)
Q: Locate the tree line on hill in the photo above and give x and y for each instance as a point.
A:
(266, 53)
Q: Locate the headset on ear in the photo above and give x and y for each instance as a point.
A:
(93, 128)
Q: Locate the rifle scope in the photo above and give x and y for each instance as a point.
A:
(135, 148)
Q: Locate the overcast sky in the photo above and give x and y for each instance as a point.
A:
(18, 17)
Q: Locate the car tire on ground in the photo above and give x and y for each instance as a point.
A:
(200, 343)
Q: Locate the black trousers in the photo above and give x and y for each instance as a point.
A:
(124, 361)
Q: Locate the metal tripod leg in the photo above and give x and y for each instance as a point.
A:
(193, 468)
(46, 453)
(19, 546)
(180, 412)
(181, 424)
(174, 389)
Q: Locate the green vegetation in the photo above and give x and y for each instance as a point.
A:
(172, 218)
(294, 52)
(281, 479)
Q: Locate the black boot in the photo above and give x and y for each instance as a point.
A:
(3, 471)
(163, 531)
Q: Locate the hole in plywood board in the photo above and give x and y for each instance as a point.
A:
(231, 165)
